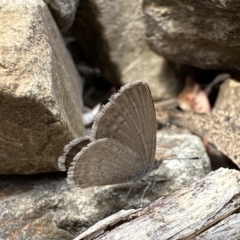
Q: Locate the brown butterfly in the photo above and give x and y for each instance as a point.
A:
(122, 144)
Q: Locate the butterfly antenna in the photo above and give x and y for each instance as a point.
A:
(157, 163)
(190, 158)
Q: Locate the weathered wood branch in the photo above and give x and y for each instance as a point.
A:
(205, 209)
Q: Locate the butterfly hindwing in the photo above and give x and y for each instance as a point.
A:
(71, 150)
(104, 162)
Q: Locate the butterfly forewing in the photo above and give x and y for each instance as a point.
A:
(130, 118)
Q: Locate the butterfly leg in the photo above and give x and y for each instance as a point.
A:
(129, 192)
(159, 179)
(152, 187)
(145, 190)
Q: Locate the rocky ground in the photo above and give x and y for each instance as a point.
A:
(61, 60)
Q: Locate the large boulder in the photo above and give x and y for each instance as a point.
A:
(204, 34)
(40, 89)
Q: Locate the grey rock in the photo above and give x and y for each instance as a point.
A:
(229, 97)
(40, 90)
(63, 12)
(44, 207)
(112, 34)
(204, 34)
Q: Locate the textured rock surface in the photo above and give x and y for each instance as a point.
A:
(204, 34)
(40, 89)
(112, 33)
(41, 207)
(229, 97)
(63, 12)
